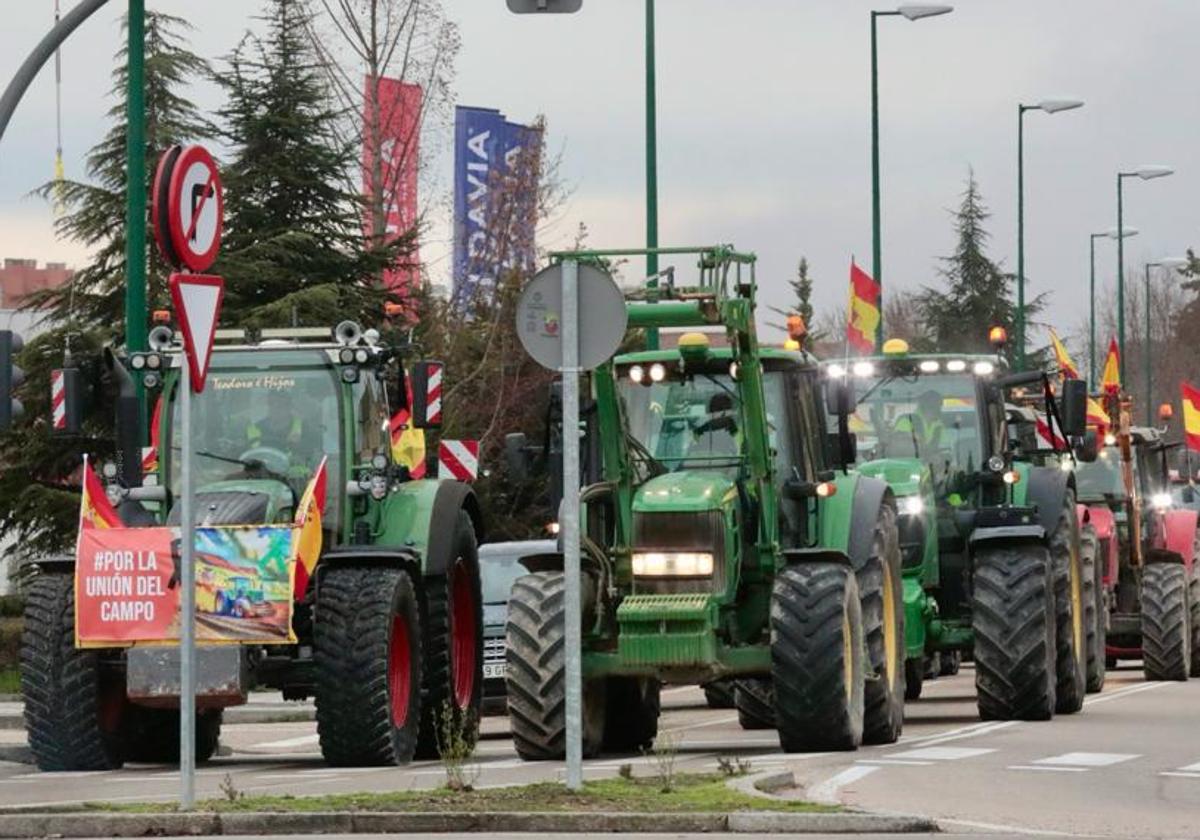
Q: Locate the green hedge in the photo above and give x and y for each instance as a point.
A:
(10, 642)
(11, 606)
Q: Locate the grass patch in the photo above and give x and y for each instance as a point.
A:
(10, 680)
(690, 793)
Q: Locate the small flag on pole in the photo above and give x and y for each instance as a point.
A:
(1191, 415)
(862, 326)
(1065, 366)
(1110, 381)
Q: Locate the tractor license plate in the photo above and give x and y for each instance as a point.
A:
(493, 671)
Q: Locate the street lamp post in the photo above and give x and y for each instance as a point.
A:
(651, 163)
(1171, 262)
(911, 11)
(1145, 173)
(1050, 106)
(1111, 234)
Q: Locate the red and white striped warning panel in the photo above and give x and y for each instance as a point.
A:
(58, 400)
(433, 401)
(458, 459)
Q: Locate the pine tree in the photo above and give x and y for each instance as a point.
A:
(803, 287)
(39, 499)
(294, 245)
(977, 294)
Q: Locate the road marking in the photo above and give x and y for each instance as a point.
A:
(1088, 759)
(1191, 768)
(713, 722)
(1008, 828)
(969, 731)
(890, 761)
(1180, 775)
(1047, 769)
(1123, 692)
(332, 777)
(943, 753)
(301, 741)
(827, 791)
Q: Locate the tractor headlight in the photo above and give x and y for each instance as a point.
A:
(672, 564)
(864, 369)
(912, 506)
(1161, 501)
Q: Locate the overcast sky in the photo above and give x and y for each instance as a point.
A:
(764, 126)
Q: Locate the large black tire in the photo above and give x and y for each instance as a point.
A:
(1014, 624)
(754, 698)
(152, 735)
(536, 672)
(631, 713)
(1069, 609)
(367, 657)
(1194, 596)
(452, 647)
(718, 694)
(1166, 631)
(880, 588)
(817, 658)
(914, 678)
(74, 708)
(951, 662)
(1093, 603)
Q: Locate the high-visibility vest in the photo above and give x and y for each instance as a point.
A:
(254, 432)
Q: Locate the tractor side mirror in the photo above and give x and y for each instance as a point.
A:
(1089, 449)
(843, 449)
(1074, 407)
(515, 456)
(397, 389)
(427, 395)
(839, 397)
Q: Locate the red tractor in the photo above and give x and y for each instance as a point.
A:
(1146, 544)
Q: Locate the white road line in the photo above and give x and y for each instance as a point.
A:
(827, 791)
(1180, 775)
(1088, 759)
(301, 741)
(1005, 828)
(890, 761)
(943, 753)
(713, 722)
(332, 777)
(1123, 692)
(1047, 769)
(970, 731)
(1191, 768)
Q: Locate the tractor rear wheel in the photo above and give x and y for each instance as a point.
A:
(914, 677)
(1194, 595)
(951, 662)
(452, 648)
(631, 713)
(74, 707)
(537, 667)
(367, 653)
(817, 658)
(1166, 634)
(879, 587)
(1093, 608)
(1069, 609)
(718, 694)
(1014, 624)
(754, 698)
(153, 734)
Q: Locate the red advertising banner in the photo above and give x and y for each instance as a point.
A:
(396, 134)
(127, 585)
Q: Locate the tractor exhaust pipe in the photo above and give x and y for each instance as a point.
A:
(128, 420)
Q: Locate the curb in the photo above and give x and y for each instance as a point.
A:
(351, 822)
(16, 753)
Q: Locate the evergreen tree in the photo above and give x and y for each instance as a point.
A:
(977, 294)
(803, 286)
(294, 245)
(39, 498)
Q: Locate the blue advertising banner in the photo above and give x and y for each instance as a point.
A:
(496, 173)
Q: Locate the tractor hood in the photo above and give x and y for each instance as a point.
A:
(255, 501)
(683, 492)
(903, 475)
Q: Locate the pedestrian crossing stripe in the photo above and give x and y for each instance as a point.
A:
(1087, 759)
(943, 753)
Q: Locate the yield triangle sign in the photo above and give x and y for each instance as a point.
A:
(197, 302)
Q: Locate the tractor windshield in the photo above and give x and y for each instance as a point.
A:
(932, 418)
(263, 416)
(1101, 479)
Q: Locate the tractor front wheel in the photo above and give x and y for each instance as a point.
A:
(1194, 595)
(1069, 609)
(153, 734)
(880, 588)
(1093, 608)
(718, 694)
(74, 707)
(1166, 635)
(817, 658)
(914, 677)
(631, 713)
(754, 698)
(367, 653)
(1014, 624)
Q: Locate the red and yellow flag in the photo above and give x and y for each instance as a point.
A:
(95, 510)
(1096, 415)
(408, 444)
(1191, 415)
(1065, 366)
(306, 541)
(862, 327)
(1110, 380)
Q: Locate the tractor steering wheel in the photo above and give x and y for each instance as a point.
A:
(274, 461)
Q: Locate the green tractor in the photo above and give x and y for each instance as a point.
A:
(720, 542)
(388, 623)
(989, 529)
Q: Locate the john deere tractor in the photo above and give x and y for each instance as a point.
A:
(388, 624)
(720, 542)
(989, 534)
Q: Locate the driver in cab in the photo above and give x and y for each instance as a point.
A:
(926, 426)
(282, 428)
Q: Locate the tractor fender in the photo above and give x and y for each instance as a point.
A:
(794, 556)
(1180, 527)
(1030, 533)
(1105, 522)
(847, 518)
(368, 555)
(419, 517)
(1045, 492)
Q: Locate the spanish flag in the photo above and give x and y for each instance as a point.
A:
(306, 536)
(1096, 415)
(862, 326)
(1065, 366)
(1110, 380)
(1191, 416)
(95, 510)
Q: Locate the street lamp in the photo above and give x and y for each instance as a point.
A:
(1050, 106)
(910, 11)
(1145, 173)
(1111, 233)
(1168, 262)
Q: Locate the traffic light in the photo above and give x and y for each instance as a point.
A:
(11, 377)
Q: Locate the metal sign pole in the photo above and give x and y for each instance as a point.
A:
(187, 600)
(570, 520)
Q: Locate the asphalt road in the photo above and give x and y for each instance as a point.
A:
(1128, 765)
